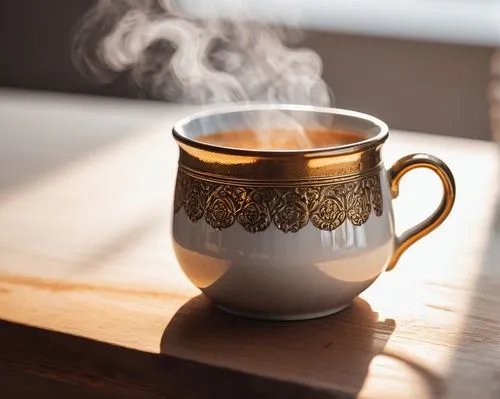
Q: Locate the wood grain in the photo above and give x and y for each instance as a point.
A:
(91, 294)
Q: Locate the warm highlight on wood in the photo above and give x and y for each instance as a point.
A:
(91, 294)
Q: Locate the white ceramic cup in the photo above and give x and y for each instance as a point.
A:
(290, 234)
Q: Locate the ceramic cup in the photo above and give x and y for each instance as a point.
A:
(290, 234)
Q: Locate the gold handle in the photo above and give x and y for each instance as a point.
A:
(397, 171)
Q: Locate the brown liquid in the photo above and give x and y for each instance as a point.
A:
(282, 139)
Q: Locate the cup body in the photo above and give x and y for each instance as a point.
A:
(282, 234)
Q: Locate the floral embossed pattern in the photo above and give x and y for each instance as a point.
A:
(288, 208)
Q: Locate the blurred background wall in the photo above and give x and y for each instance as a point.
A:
(424, 85)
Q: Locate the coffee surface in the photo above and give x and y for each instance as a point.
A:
(283, 139)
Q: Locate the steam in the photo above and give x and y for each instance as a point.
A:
(171, 55)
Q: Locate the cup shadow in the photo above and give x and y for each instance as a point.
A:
(333, 353)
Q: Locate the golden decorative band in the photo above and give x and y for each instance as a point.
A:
(289, 208)
(279, 166)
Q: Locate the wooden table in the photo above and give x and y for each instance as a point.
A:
(91, 295)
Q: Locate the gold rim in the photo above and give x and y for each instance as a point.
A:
(369, 143)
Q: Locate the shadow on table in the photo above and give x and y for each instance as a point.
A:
(116, 371)
(333, 352)
(206, 353)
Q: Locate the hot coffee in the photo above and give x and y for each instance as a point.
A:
(282, 139)
(284, 235)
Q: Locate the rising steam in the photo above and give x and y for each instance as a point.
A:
(175, 57)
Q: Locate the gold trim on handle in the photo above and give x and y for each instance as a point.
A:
(397, 171)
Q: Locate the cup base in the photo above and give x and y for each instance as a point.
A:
(283, 317)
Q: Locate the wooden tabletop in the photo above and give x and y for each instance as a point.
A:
(91, 293)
